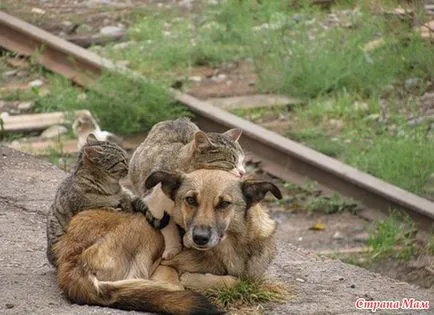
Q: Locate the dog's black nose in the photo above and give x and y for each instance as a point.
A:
(201, 235)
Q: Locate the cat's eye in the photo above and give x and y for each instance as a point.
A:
(191, 201)
(223, 204)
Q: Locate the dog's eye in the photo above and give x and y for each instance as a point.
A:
(191, 201)
(223, 204)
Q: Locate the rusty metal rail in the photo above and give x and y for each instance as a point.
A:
(280, 156)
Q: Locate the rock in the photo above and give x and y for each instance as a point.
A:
(25, 106)
(427, 100)
(220, 77)
(375, 116)
(361, 237)
(412, 83)
(428, 188)
(9, 305)
(195, 78)
(300, 280)
(36, 83)
(9, 74)
(336, 123)
(83, 28)
(361, 106)
(38, 11)
(338, 236)
(123, 63)
(111, 29)
(124, 45)
(54, 131)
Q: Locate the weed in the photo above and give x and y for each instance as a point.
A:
(334, 203)
(122, 105)
(393, 236)
(249, 293)
(318, 140)
(430, 245)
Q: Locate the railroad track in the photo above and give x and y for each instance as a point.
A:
(279, 156)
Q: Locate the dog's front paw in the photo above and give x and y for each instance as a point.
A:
(170, 252)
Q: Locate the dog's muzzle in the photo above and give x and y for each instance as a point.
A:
(201, 237)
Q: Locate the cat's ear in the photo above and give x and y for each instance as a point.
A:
(91, 139)
(234, 134)
(254, 191)
(92, 152)
(201, 140)
(170, 182)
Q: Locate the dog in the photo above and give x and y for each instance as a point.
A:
(112, 259)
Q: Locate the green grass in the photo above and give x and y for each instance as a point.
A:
(121, 105)
(331, 204)
(248, 293)
(393, 236)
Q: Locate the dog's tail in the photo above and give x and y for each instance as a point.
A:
(143, 295)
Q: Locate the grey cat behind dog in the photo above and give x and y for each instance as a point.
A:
(179, 145)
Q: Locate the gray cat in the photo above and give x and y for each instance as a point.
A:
(179, 145)
(94, 184)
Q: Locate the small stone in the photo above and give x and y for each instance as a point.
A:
(9, 74)
(300, 239)
(54, 131)
(10, 305)
(361, 237)
(123, 63)
(111, 29)
(83, 28)
(66, 23)
(124, 45)
(195, 79)
(25, 106)
(353, 286)
(428, 188)
(36, 83)
(38, 11)
(338, 236)
(361, 106)
(336, 123)
(300, 280)
(412, 83)
(373, 117)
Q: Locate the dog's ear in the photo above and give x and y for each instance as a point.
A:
(254, 191)
(170, 182)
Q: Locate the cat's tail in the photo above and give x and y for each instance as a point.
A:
(140, 206)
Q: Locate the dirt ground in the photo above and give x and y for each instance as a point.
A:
(342, 230)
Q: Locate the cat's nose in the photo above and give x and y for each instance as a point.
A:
(201, 235)
(242, 171)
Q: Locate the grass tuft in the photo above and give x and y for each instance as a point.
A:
(249, 293)
(395, 236)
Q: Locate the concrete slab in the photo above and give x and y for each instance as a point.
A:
(28, 284)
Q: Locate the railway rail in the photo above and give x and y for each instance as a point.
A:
(279, 156)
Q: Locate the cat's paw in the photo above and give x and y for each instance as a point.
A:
(172, 251)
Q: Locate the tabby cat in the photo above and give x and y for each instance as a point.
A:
(179, 145)
(94, 183)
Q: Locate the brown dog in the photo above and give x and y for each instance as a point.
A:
(106, 258)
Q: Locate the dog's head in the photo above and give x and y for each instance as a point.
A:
(208, 200)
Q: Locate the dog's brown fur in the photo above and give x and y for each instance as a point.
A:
(107, 258)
